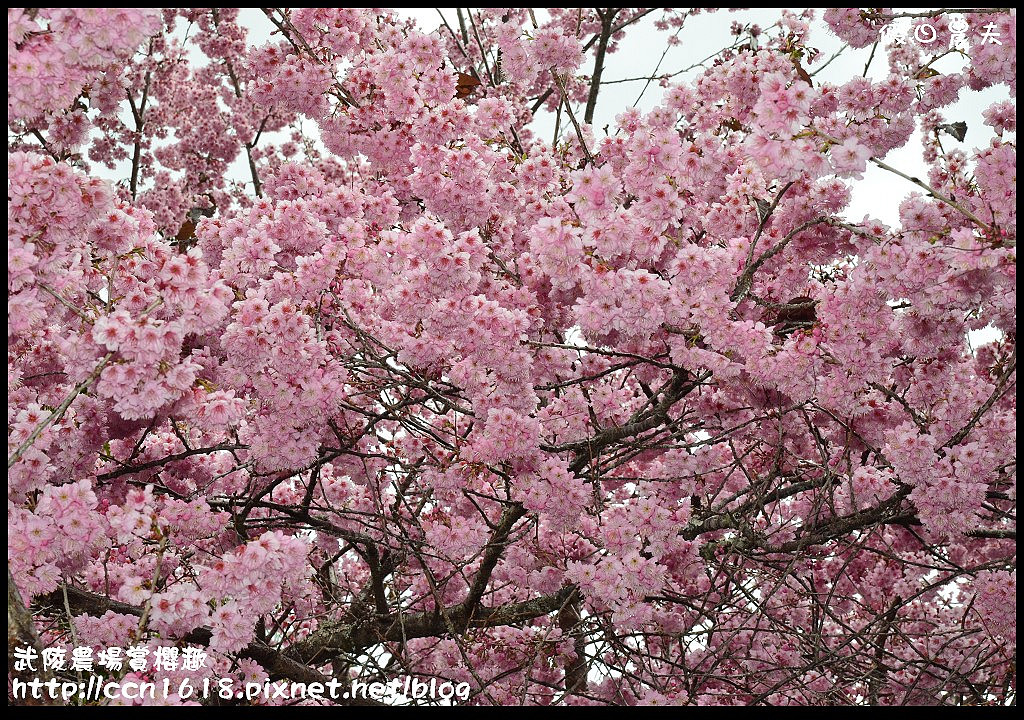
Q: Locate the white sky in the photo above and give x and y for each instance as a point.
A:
(878, 194)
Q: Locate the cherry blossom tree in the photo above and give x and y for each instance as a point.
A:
(634, 415)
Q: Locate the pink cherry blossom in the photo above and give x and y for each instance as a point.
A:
(340, 347)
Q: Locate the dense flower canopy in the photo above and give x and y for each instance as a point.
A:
(639, 416)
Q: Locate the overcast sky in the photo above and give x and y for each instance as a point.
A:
(878, 194)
